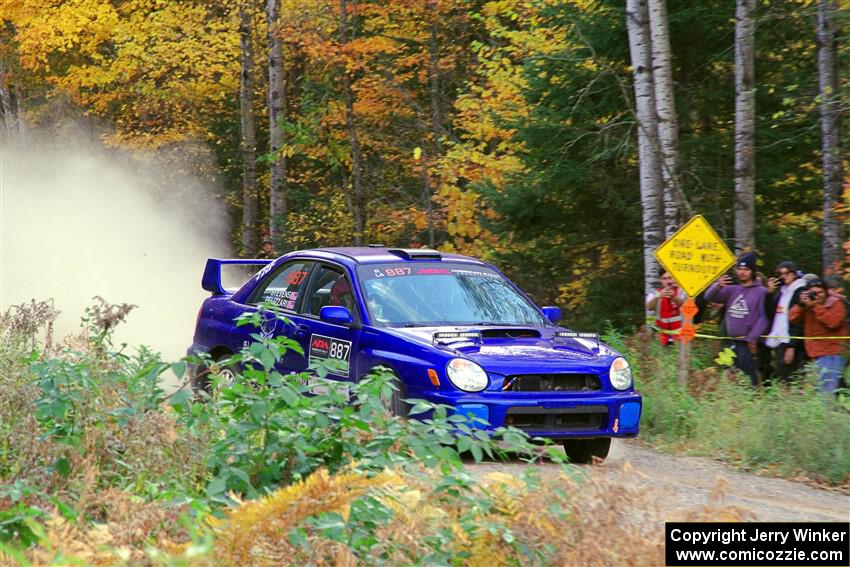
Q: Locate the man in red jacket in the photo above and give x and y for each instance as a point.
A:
(823, 315)
(667, 299)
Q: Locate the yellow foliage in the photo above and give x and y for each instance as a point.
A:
(255, 533)
(159, 68)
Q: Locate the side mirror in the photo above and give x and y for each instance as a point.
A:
(336, 315)
(552, 313)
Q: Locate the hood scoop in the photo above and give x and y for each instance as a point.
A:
(477, 336)
(510, 333)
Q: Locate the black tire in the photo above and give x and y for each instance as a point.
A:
(584, 451)
(201, 383)
(395, 404)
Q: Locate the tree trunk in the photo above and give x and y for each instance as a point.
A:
(8, 114)
(249, 134)
(358, 200)
(434, 86)
(830, 112)
(745, 114)
(665, 106)
(649, 158)
(278, 209)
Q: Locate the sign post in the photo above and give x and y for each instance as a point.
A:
(695, 256)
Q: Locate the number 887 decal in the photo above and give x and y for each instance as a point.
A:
(334, 354)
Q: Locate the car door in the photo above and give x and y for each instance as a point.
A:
(283, 287)
(333, 346)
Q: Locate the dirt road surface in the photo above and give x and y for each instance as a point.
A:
(676, 484)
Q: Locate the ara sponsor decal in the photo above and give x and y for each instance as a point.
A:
(334, 353)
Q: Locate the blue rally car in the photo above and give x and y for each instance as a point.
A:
(453, 329)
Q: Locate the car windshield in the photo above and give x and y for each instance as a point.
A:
(439, 293)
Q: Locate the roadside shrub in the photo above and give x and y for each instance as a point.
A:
(789, 431)
(84, 429)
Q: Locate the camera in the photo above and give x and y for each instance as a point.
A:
(807, 293)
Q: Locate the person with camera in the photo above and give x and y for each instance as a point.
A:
(666, 301)
(745, 318)
(822, 315)
(784, 291)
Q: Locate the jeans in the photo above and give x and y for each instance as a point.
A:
(784, 371)
(830, 368)
(745, 361)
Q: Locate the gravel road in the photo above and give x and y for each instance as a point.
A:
(676, 484)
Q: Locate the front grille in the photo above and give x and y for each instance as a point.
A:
(552, 383)
(533, 419)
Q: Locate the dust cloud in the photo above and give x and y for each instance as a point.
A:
(79, 220)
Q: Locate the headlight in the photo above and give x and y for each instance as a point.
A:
(466, 375)
(620, 374)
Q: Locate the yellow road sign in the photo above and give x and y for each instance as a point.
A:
(695, 256)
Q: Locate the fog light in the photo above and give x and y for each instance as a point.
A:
(478, 415)
(629, 415)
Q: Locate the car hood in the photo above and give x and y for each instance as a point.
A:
(501, 353)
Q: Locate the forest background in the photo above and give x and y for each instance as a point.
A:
(518, 131)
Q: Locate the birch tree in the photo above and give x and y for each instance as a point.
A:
(650, 163)
(278, 208)
(745, 109)
(830, 113)
(665, 107)
(248, 142)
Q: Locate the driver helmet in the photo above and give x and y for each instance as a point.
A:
(339, 289)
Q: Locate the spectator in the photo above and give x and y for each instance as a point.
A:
(267, 251)
(745, 319)
(788, 353)
(822, 315)
(665, 301)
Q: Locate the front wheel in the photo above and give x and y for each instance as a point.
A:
(395, 403)
(583, 451)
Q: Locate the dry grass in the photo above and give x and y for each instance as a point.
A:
(552, 520)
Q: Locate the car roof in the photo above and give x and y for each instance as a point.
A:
(377, 255)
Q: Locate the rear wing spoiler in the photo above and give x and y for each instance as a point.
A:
(211, 281)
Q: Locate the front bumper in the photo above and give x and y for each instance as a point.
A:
(552, 416)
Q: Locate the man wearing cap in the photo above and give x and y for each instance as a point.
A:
(267, 251)
(788, 352)
(823, 315)
(745, 314)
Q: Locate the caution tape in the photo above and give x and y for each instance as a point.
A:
(705, 336)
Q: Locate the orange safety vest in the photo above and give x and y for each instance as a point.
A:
(669, 318)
